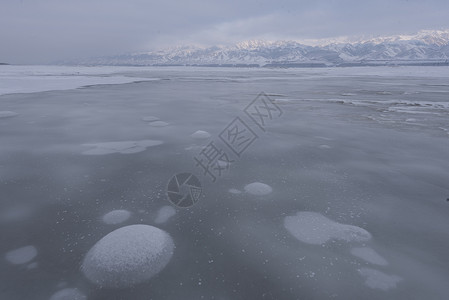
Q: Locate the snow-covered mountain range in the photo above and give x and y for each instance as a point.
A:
(428, 47)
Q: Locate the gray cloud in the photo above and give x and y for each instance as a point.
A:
(39, 31)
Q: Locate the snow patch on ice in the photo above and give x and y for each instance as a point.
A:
(369, 255)
(314, 228)
(378, 280)
(159, 124)
(128, 256)
(235, 191)
(126, 147)
(258, 189)
(116, 216)
(150, 119)
(68, 294)
(164, 213)
(200, 135)
(21, 255)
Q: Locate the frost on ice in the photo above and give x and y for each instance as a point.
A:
(314, 228)
(116, 216)
(22, 255)
(68, 294)
(378, 280)
(164, 213)
(258, 189)
(128, 256)
(369, 255)
(127, 147)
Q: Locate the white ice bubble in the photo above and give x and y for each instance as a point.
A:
(378, 280)
(159, 124)
(324, 147)
(116, 216)
(369, 255)
(258, 188)
(235, 191)
(22, 255)
(128, 256)
(7, 114)
(150, 119)
(126, 147)
(200, 135)
(314, 228)
(68, 294)
(164, 213)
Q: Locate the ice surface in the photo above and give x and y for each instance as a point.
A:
(314, 228)
(7, 114)
(68, 294)
(385, 173)
(200, 135)
(258, 189)
(164, 213)
(128, 256)
(376, 279)
(369, 255)
(126, 147)
(116, 216)
(21, 255)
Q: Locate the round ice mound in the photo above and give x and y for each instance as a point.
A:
(258, 188)
(128, 256)
(68, 294)
(116, 216)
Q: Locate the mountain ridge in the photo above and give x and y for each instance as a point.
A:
(427, 47)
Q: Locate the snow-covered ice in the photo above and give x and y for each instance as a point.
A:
(126, 147)
(128, 256)
(200, 135)
(68, 294)
(376, 279)
(314, 228)
(164, 214)
(258, 189)
(369, 255)
(116, 216)
(30, 79)
(21, 255)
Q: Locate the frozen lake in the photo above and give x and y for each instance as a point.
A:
(341, 193)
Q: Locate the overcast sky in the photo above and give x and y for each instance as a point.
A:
(40, 31)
